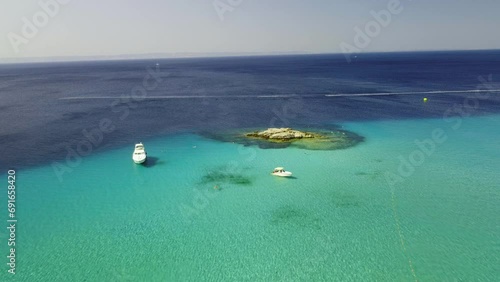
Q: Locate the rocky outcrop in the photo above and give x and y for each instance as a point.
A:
(279, 138)
(280, 134)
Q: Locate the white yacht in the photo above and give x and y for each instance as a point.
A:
(280, 171)
(139, 155)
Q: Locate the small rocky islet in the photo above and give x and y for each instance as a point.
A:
(281, 134)
(273, 138)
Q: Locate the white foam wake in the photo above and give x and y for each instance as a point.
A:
(284, 95)
(410, 93)
(190, 97)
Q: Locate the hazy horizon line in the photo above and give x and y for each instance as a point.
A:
(180, 55)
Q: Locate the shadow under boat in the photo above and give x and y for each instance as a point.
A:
(151, 161)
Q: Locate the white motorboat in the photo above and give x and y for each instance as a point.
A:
(139, 155)
(280, 171)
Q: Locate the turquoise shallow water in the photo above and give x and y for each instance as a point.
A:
(338, 219)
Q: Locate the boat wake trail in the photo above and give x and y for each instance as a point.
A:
(192, 97)
(286, 96)
(410, 93)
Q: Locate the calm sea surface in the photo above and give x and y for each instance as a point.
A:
(418, 199)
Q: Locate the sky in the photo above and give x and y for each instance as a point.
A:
(130, 27)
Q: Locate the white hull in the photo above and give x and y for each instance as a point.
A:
(282, 174)
(139, 156)
(139, 159)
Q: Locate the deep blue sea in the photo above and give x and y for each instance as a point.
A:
(417, 199)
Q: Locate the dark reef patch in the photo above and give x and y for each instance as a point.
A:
(223, 175)
(293, 217)
(345, 200)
